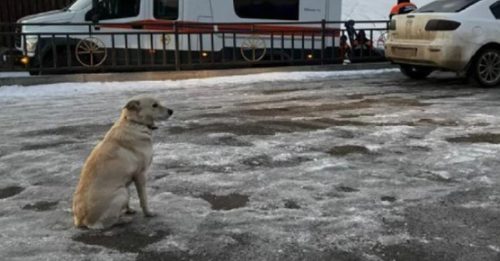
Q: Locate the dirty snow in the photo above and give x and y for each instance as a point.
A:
(279, 166)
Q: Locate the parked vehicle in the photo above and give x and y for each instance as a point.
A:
(210, 27)
(453, 35)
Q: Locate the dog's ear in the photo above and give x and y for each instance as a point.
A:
(133, 105)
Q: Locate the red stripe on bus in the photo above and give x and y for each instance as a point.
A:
(195, 27)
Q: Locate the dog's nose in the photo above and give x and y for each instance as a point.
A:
(170, 112)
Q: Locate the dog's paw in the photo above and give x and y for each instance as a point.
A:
(149, 214)
(125, 220)
(130, 211)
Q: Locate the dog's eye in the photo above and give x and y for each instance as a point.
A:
(155, 105)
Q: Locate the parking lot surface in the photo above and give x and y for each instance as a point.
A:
(313, 166)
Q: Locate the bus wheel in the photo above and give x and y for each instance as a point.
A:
(91, 52)
(56, 61)
(253, 49)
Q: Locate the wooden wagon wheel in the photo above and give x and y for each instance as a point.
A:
(253, 49)
(91, 52)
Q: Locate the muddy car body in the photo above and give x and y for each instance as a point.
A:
(454, 35)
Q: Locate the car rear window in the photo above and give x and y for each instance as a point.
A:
(446, 6)
(495, 9)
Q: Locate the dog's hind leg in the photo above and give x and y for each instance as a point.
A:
(114, 212)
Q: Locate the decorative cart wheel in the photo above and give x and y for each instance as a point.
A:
(253, 49)
(91, 52)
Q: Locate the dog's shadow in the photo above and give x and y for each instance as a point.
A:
(131, 237)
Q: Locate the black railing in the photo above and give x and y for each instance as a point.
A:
(85, 47)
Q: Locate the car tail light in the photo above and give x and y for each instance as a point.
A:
(392, 25)
(441, 25)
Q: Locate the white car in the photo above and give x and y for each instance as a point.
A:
(453, 35)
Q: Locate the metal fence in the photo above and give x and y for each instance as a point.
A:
(88, 47)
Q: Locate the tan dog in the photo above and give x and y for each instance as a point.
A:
(101, 199)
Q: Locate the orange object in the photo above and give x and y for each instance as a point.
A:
(402, 8)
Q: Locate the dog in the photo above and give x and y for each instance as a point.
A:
(101, 199)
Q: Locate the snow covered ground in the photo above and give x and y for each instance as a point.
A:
(282, 166)
(13, 74)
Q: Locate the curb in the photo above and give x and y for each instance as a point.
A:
(180, 75)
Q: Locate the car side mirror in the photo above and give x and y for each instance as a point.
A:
(95, 18)
(93, 15)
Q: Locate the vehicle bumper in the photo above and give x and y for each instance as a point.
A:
(439, 55)
(14, 57)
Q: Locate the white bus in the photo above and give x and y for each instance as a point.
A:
(251, 27)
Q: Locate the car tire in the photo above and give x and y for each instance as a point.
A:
(485, 69)
(416, 72)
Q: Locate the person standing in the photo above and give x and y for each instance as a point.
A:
(402, 7)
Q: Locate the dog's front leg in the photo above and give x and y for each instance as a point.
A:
(140, 185)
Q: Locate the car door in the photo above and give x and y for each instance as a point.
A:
(165, 14)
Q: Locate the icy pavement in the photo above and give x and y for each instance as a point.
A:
(283, 166)
(13, 74)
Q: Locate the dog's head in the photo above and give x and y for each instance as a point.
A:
(145, 111)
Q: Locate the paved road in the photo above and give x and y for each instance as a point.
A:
(272, 167)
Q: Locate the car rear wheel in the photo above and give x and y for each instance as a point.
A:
(416, 72)
(486, 68)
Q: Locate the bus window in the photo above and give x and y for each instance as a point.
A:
(114, 9)
(267, 9)
(166, 9)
